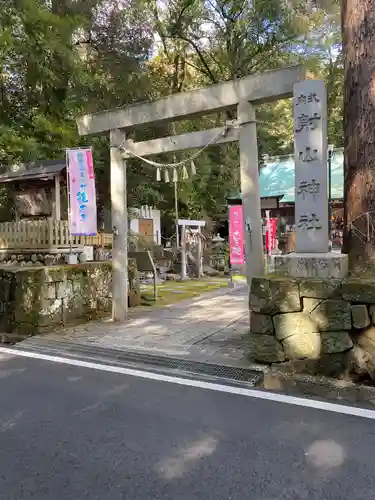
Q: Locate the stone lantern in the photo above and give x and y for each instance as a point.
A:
(218, 252)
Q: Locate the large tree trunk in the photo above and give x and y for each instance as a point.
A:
(358, 28)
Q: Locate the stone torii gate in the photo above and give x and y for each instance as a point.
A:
(185, 225)
(243, 93)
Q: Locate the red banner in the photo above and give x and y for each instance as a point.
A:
(271, 229)
(236, 235)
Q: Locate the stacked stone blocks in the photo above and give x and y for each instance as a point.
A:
(35, 300)
(294, 319)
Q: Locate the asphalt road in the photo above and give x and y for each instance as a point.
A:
(75, 433)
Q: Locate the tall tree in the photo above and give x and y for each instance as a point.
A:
(206, 42)
(60, 58)
(358, 29)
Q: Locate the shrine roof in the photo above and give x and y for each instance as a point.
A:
(277, 177)
(31, 171)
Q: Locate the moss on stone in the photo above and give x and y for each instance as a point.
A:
(261, 323)
(264, 348)
(332, 315)
(275, 295)
(334, 342)
(358, 290)
(319, 289)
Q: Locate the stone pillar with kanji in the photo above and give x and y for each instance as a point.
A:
(310, 160)
(312, 257)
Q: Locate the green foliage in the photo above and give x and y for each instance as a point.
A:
(61, 58)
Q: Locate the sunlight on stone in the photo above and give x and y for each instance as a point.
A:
(139, 321)
(325, 454)
(185, 458)
(155, 329)
(53, 307)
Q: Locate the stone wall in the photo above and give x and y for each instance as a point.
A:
(28, 258)
(330, 323)
(47, 257)
(34, 300)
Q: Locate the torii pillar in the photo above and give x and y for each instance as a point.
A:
(250, 190)
(243, 93)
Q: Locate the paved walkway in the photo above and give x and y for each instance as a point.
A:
(212, 325)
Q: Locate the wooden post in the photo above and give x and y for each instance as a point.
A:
(250, 190)
(155, 287)
(50, 233)
(176, 214)
(119, 228)
(199, 253)
(183, 253)
(57, 213)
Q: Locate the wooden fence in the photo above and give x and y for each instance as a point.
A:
(46, 234)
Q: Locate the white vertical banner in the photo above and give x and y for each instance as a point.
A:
(82, 192)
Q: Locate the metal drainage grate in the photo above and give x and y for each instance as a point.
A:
(142, 360)
(229, 372)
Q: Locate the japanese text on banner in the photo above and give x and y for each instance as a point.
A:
(82, 194)
(236, 235)
(271, 230)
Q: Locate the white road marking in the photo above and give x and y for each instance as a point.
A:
(253, 393)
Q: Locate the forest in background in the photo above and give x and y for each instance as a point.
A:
(62, 58)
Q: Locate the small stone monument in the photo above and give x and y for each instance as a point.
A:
(312, 257)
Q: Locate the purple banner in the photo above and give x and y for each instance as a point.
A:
(82, 194)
